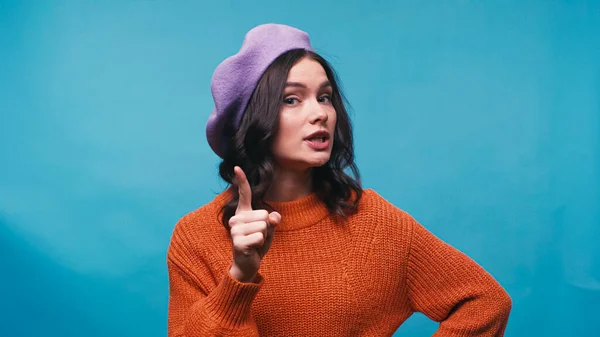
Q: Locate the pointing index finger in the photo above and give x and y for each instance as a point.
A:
(245, 199)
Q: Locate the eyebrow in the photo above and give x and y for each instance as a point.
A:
(301, 85)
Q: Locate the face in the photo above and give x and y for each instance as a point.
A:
(307, 118)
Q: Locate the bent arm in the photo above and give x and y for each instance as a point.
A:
(450, 288)
(222, 311)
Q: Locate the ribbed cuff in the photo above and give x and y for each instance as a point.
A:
(231, 301)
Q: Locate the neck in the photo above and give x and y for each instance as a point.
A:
(289, 185)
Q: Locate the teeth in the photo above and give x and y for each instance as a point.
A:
(318, 139)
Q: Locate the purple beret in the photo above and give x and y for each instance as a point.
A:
(234, 80)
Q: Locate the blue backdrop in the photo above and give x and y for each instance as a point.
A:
(479, 118)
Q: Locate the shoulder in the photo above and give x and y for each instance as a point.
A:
(389, 220)
(386, 228)
(199, 229)
(374, 204)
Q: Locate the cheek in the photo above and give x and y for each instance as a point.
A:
(287, 133)
(291, 124)
(332, 120)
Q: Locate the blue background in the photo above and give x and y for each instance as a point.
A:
(479, 118)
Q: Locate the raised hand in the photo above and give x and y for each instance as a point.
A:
(251, 232)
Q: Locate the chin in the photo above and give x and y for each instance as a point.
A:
(305, 161)
(318, 159)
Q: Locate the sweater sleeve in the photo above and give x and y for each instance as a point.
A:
(452, 289)
(200, 303)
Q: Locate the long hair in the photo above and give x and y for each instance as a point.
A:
(250, 146)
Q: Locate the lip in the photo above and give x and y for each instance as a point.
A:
(319, 146)
(320, 133)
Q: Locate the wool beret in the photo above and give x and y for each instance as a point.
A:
(235, 79)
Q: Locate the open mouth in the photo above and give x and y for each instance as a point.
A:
(318, 141)
(322, 139)
(319, 136)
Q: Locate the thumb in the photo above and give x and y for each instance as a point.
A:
(274, 219)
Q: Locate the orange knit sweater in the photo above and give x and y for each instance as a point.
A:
(360, 277)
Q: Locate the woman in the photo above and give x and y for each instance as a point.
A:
(295, 246)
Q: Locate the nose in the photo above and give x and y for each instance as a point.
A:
(318, 114)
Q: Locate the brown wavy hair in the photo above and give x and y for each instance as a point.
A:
(250, 146)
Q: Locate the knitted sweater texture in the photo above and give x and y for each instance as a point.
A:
(321, 277)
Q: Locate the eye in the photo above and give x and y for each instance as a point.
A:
(325, 99)
(291, 101)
